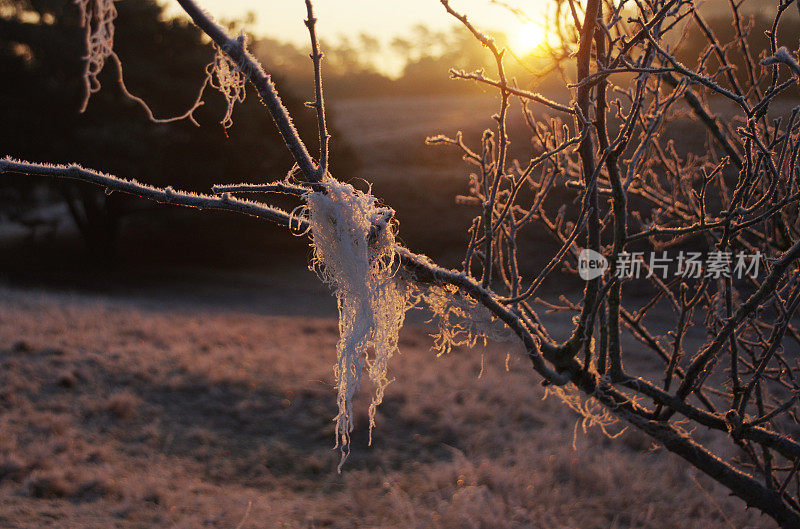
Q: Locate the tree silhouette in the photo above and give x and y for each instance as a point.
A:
(164, 63)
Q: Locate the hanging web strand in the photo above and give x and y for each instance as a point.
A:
(354, 253)
(97, 19)
(224, 75)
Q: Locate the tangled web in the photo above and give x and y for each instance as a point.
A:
(589, 410)
(354, 253)
(97, 19)
(224, 75)
(461, 320)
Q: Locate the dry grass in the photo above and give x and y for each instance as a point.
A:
(115, 414)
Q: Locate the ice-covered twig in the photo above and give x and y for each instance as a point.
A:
(161, 195)
(319, 100)
(783, 55)
(275, 187)
(523, 94)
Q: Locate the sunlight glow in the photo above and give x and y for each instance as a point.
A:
(530, 38)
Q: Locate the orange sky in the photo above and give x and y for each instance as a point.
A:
(385, 19)
(283, 19)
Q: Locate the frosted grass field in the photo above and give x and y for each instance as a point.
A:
(128, 412)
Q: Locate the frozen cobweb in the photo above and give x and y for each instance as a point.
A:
(354, 253)
(224, 75)
(97, 19)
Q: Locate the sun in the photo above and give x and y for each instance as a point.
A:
(530, 37)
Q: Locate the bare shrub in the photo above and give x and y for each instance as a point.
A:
(123, 405)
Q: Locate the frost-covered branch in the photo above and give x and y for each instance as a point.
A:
(275, 187)
(479, 77)
(783, 56)
(166, 195)
(319, 100)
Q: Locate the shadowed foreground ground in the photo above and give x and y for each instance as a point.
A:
(116, 413)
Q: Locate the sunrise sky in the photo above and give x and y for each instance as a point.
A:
(283, 19)
(385, 19)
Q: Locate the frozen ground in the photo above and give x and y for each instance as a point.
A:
(174, 411)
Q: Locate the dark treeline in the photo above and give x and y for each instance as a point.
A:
(41, 50)
(356, 67)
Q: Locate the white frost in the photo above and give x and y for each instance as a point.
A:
(97, 19)
(353, 240)
(354, 253)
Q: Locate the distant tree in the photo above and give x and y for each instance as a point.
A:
(402, 46)
(350, 72)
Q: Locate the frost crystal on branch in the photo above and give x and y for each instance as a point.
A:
(354, 253)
